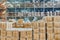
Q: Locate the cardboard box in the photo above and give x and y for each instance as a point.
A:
(42, 35)
(27, 25)
(36, 36)
(57, 37)
(15, 34)
(56, 25)
(36, 31)
(49, 31)
(35, 24)
(8, 38)
(15, 39)
(57, 31)
(9, 33)
(48, 19)
(29, 34)
(3, 38)
(23, 34)
(57, 19)
(42, 30)
(22, 38)
(29, 38)
(49, 25)
(3, 32)
(50, 36)
(42, 24)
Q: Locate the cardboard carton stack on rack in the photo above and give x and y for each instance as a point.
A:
(47, 28)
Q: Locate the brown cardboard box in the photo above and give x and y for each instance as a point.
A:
(3, 38)
(57, 19)
(57, 37)
(9, 33)
(29, 34)
(8, 38)
(3, 32)
(36, 31)
(15, 39)
(56, 25)
(29, 38)
(36, 36)
(42, 30)
(23, 34)
(50, 36)
(15, 34)
(49, 31)
(20, 21)
(49, 25)
(22, 38)
(42, 24)
(42, 35)
(48, 19)
(35, 24)
(57, 31)
(27, 25)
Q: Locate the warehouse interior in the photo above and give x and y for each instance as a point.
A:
(29, 19)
